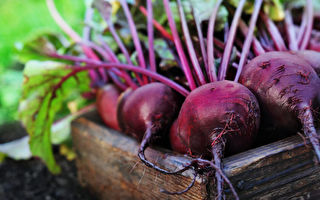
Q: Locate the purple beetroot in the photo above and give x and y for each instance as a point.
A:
(287, 88)
(147, 114)
(106, 101)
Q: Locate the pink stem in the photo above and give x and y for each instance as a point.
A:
(266, 42)
(221, 45)
(249, 37)
(113, 58)
(96, 65)
(121, 46)
(116, 80)
(302, 26)
(135, 37)
(201, 41)
(292, 39)
(158, 26)
(192, 53)
(72, 34)
(229, 44)
(274, 32)
(210, 47)
(307, 34)
(226, 31)
(110, 57)
(256, 46)
(152, 59)
(184, 61)
(60, 21)
(86, 33)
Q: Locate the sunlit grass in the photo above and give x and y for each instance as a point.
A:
(19, 20)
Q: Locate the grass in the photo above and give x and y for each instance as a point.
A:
(20, 19)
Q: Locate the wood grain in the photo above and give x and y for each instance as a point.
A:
(108, 165)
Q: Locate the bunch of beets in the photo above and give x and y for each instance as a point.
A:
(272, 84)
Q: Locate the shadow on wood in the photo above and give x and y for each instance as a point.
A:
(108, 165)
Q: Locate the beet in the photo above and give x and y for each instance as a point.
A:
(217, 117)
(312, 57)
(107, 100)
(288, 89)
(147, 113)
(221, 111)
(175, 139)
(314, 43)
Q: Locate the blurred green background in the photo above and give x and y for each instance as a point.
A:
(20, 20)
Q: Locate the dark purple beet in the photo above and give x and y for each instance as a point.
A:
(287, 88)
(107, 100)
(175, 141)
(216, 117)
(221, 111)
(312, 57)
(147, 113)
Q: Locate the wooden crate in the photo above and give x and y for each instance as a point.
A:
(108, 165)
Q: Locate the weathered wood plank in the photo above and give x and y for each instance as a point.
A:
(108, 165)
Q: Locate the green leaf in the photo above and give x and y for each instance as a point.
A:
(300, 4)
(36, 47)
(274, 8)
(61, 129)
(10, 91)
(203, 10)
(40, 104)
(23, 18)
(2, 157)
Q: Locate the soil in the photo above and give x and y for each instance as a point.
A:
(30, 179)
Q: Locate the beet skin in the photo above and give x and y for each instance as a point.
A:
(107, 100)
(288, 90)
(219, 112)
(147, 114)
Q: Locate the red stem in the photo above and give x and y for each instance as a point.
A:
(114, 75)
(210, 47)
(221, 45)
(306, 38)
(226, 31)
(302, 26)
(110, 57)
(249, 37)
(121, 46)
(182, 56)
(256, 45)
(152, 59)
(157, 25)
(292, 39)
(274, 32)
(201, 41)
(135, 37)
(266, 42)
(230, 40)
(113, 58)
(86, 33)
(72, 34)
(98, 64)
(192, 53)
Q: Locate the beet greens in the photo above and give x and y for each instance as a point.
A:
(50, 88)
